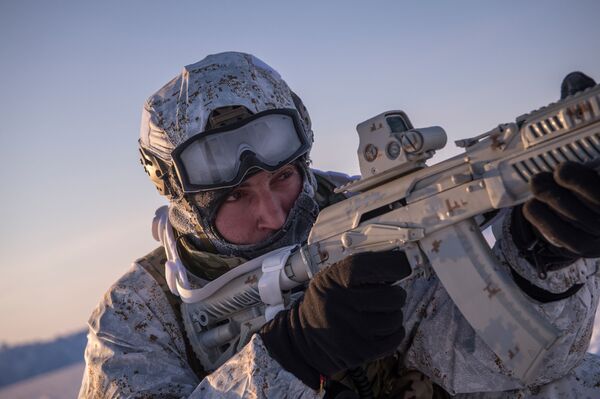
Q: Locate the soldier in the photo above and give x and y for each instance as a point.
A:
(227, 142)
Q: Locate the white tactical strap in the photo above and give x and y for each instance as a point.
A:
(269, 285)
(174, 269)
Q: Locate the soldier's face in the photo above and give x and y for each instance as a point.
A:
(259, 206)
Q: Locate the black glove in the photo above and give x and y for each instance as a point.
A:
(558, 226)
(575, 82)
(564, 213)
(350, 314)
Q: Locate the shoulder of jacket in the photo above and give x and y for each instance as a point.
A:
(327, 181)
(156, 257)
(332, 177)
(141, 280)
(154, 264)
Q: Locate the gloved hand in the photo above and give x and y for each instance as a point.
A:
(560, 224)
(574, 83)
(565, 212)
(350, 314)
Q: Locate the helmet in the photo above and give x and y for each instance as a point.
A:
(208, 128)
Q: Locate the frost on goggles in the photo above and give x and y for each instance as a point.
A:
(222, 157)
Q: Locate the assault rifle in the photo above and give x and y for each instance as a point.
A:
(426, 211)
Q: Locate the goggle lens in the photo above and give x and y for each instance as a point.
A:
(221, 158)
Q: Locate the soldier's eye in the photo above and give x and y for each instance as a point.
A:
(233, 196)
(286, 173)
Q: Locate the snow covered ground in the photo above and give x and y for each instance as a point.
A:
(59, 384)
(64, 383)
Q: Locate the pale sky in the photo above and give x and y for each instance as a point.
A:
(76, 204)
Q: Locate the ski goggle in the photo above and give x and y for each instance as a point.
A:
(221, 157)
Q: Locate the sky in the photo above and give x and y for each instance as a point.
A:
(76, 204)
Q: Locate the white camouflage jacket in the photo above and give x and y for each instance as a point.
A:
(136, 348)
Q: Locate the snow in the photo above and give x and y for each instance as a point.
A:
(59, 384)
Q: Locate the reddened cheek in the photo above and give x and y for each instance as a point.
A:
(233, 227)
(289, 190)
(228, 217)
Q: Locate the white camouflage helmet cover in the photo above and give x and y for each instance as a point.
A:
(181, 109)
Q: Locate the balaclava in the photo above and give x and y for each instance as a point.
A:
(182, 109)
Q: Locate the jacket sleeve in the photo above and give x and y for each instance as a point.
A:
(135, 350)
(567, 297)
(445, 347)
